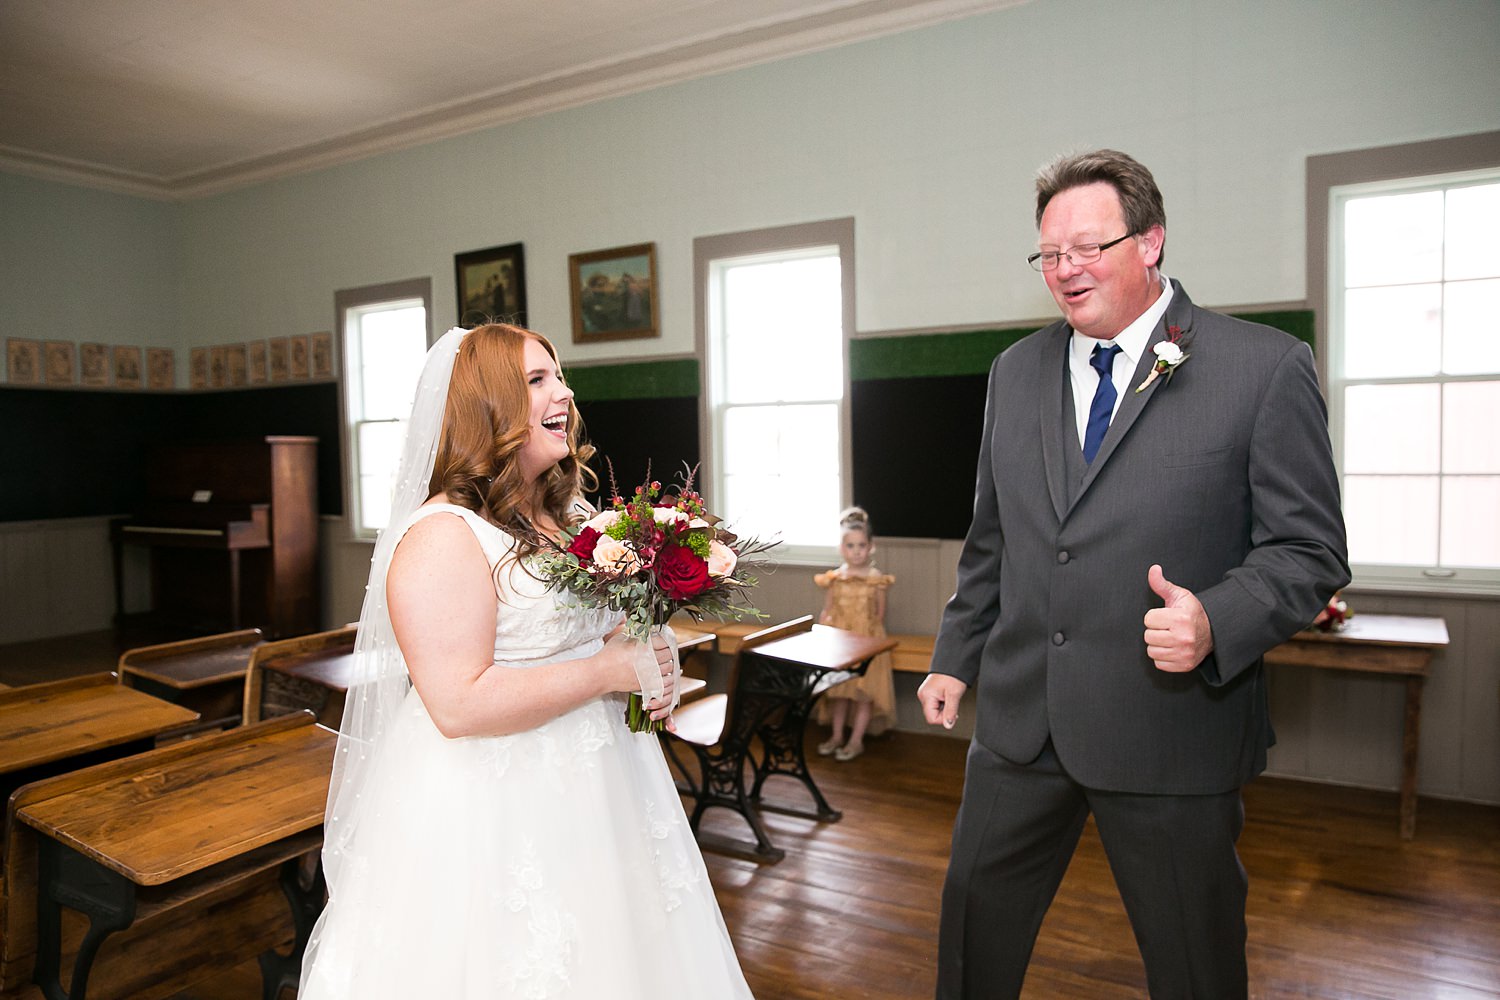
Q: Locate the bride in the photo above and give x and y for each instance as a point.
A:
(494, 830)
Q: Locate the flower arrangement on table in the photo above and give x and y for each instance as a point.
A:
(651, 556)
(1333, 616)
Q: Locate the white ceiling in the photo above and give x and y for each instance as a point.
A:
(183, 98)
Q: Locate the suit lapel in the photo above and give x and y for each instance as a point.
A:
(1052, 382)
(1179, 314)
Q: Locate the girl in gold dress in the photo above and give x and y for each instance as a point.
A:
(856, 601)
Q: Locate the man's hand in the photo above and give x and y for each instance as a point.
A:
(1178, 636)
(939, 695)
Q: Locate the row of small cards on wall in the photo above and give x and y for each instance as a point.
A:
(280, 359)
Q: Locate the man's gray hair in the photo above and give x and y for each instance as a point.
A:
(1140, 199)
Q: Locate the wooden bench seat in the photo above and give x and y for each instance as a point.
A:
(913, 653)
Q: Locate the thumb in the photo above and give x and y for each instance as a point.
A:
(1168, 591)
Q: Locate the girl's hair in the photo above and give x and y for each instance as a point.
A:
(486, 422)
(855, 519)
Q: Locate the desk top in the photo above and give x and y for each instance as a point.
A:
(193, 668)
(43, 723)
(179, 809)
(330, 668)
(1399, 630)
(824, 647)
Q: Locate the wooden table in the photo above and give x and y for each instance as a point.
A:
(133, 838)
(1379, 644)
(794, 672)
(59, 725)
(205, 674)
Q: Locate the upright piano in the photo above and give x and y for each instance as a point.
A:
(232, 529)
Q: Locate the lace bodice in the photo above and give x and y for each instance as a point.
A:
(532, 624)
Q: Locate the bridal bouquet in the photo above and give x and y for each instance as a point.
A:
(651, 556)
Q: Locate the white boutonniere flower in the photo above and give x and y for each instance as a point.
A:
(1169, 355)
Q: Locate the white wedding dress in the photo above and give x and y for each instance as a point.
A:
(555, 862)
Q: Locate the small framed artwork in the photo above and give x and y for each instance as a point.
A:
(491, 285)
(128, 367)
(322, 354)
(256, 357)
(297, 347)
(280, 352)
(218, 367)
(58, 357)
(614, 293)
(93, 364)
(198, 361)
(161, 368)
(23, 361)
(234, 364)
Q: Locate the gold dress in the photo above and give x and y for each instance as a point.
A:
(854, 606)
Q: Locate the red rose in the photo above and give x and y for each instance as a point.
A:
(680, 573)
(583, 545)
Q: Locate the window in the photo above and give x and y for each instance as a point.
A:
(775, 310)
(385, 333)
(1414, 375)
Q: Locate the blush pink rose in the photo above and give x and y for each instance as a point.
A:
(721, 559)
(613, 556)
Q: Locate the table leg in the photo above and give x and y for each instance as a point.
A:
(279, 971)
(1410, 740)
(782, 740)
(106, 898)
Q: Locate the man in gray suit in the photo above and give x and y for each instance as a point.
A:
(1139, 541)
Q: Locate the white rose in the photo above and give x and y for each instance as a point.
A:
(667, 515)
(602, 521)
(1168, 352)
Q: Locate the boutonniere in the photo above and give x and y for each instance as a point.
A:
(1169, 354)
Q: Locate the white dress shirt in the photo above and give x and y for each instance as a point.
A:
(1132, 344)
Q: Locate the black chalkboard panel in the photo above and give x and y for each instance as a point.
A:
(83, 453)
(914, 450)
(635, 434)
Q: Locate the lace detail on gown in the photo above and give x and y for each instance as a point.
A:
(540, 865)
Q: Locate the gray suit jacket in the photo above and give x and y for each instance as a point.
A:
(1223, 475)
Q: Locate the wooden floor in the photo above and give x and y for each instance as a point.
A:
(1339, 906)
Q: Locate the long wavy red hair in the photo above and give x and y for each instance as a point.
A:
(486, 422)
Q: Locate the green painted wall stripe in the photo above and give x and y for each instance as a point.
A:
(635, 380)
(970, 352)
(919, 355)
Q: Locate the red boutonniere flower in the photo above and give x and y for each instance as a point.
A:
(1169, 354)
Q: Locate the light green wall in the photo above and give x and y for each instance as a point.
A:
(928, 139)
(86, 266)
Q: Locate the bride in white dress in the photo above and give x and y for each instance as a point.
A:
(494, 830)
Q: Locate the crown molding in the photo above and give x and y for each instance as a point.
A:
(739, 49)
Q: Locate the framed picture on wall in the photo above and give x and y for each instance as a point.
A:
(218, 367)
(93, 364)
(128, 368)
(257, 362)
(58, 357)
(297, 347)
(161, 368)
(321, 347)
(280, 359)
(614, 293)
(23, 361)
(491, 285)
(234, 364)
(198, 364)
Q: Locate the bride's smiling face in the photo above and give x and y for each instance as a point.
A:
(549, 412)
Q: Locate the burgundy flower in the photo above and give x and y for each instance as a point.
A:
(681, 574)
(583, 545)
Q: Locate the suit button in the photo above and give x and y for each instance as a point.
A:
(1058, 638)
(1063, 557)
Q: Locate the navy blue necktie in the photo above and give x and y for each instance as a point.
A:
(1103, 406)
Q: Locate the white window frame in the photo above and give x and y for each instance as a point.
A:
(1331, 181)
(745, 247)
(417, 291)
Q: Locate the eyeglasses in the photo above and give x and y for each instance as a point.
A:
(1083, 253)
